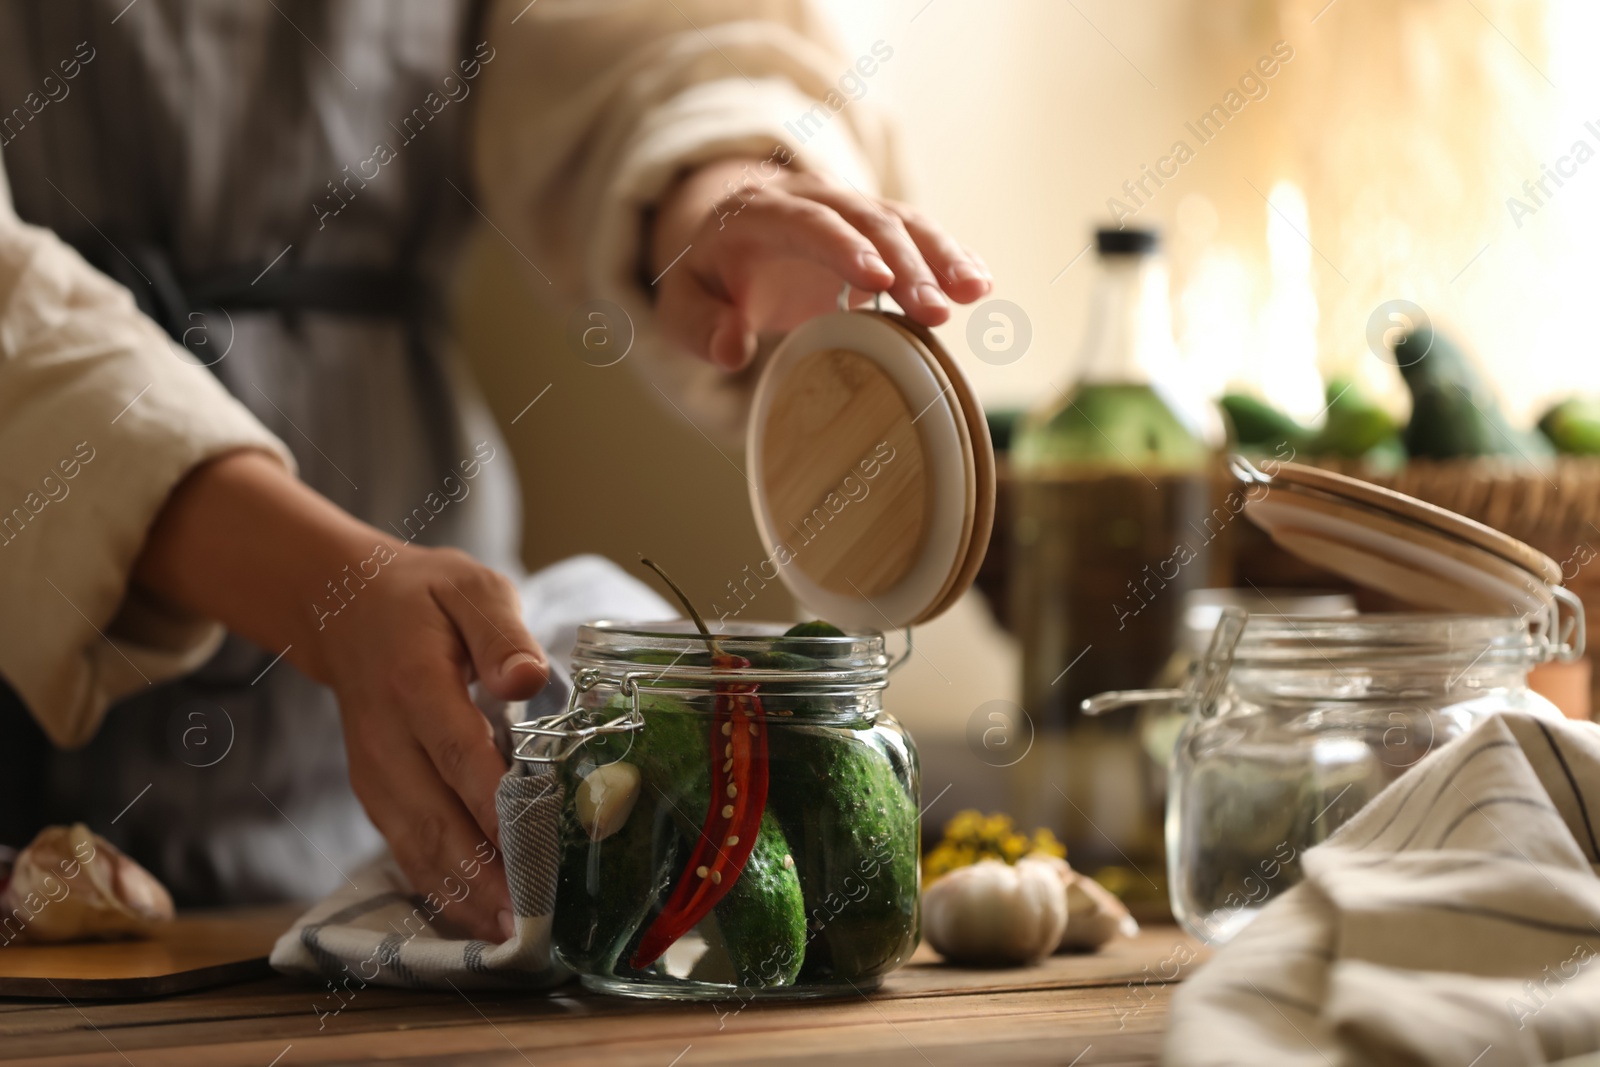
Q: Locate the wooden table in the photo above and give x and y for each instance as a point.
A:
(1090, 1010)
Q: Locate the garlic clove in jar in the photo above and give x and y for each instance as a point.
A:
(71, 884)
(994, 913)
(605, 798)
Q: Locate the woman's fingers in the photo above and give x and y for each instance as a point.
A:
(915, 287)
(456, 737)
(749, 251)
(777, 224)
(740, 252)
(707, 304)
(962, 274)
(484, 606)
(694, 318)
(436, 841)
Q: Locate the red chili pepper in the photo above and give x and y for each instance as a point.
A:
(733, 819)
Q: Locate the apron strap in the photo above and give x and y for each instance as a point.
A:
(161, 293)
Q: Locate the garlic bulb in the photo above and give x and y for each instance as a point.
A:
(994, 913)
(71, 884)
(606, 797)
(1094, 914)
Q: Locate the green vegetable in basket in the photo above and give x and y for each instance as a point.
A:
(1453, 412)
(1573, 426)
(1257, 424)
(1355, 425)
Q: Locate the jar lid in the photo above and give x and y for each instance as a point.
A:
(871, 471)
(1409, 549)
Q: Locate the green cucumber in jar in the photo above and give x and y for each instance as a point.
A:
(854, 830)
(792, 653)
(762, 918)
(673, 755)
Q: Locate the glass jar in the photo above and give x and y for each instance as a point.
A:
(1307, 721)
(678, 878)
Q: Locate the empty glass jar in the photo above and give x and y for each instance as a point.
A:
(1292, 724)
(1307, 721)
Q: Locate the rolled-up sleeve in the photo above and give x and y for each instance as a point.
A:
(101, 416)
(591, 111)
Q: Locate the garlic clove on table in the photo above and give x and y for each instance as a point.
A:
(71, 884)
(994, 913)
(1094, 914)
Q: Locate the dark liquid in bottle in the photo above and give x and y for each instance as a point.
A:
(1102, 562)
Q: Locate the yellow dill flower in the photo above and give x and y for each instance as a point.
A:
(997, 828)
(1045, 841)
(964, 825)
(1013, 848)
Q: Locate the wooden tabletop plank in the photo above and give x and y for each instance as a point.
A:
(1045, 1026)
(1114, 1000)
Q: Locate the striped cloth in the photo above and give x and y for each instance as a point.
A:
(376, 931)
(1455, 921)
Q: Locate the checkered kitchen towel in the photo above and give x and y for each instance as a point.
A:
(375, 931)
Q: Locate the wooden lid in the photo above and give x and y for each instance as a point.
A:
(1423, 513)
(865, 472)
(1402, 546)
(1414, 563)
(983, 457)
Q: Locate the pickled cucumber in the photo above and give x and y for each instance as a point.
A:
(829, 892)
(855, 832)
(762, 918)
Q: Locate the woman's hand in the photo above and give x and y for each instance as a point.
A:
(769, 247)
(422, 757)
(398, 635)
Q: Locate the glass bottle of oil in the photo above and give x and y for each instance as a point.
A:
(1112, 524)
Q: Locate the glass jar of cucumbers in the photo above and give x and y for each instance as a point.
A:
(741, 815)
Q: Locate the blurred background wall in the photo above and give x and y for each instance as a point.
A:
(1379, 160)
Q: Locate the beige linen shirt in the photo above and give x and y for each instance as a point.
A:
(588, 112)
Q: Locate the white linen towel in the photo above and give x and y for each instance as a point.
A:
(376, 930)
(1455, 920)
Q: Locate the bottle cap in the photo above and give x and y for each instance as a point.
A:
(1126, 242)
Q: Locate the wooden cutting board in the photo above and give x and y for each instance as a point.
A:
(197, 950)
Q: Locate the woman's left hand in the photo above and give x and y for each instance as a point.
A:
(778, 249)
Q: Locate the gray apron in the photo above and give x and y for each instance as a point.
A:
(206, 144)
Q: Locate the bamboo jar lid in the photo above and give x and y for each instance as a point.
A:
(1396, 544)
(872, 474)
